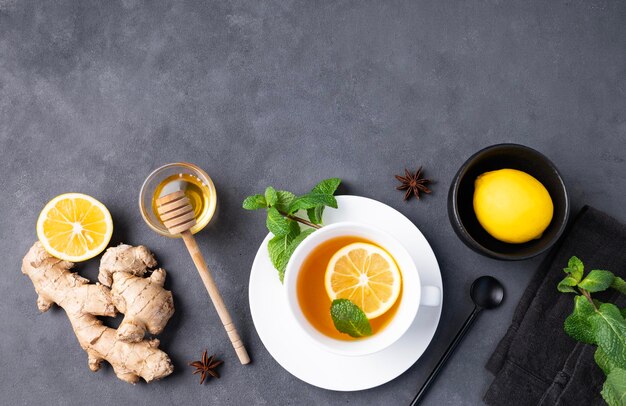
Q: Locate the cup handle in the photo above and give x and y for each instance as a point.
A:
(431, 296)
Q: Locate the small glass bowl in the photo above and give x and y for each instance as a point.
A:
(146, 195)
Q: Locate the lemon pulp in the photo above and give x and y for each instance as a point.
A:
(365, 274)
(74, 227)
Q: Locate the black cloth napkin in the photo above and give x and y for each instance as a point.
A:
(536, 363)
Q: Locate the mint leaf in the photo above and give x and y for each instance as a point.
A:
(299, 238)
(278, 248)
(296, 241)
(282, 247)
(311, 200)
(566, 284)
(327, 186)
(614, 388)
(619, 284)
(284, 201)
(603, 361)
(254, 202)
(577, 324)
(575, 268)
(609, 329)
(597, 281)
(348, 318)
(315, 214)
(271, 197)
(276, 223)
(623, 311)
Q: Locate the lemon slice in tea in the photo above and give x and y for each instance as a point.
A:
(74, 227)
(366, 275)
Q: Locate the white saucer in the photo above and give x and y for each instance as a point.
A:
(302, 358)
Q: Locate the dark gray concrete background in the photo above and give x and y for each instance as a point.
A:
(94, 95)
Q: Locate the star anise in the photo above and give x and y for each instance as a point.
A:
(413, 183)
(206, 367)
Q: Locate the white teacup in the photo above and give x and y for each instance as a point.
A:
(413, 294)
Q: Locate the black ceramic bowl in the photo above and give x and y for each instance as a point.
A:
(501, 156)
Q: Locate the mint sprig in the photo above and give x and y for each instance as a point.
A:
(282, 209)
(348, 318)
(600, 324)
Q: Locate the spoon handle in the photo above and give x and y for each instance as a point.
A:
(457, 339)
(216, 297)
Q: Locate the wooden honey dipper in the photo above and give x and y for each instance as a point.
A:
(178, 217)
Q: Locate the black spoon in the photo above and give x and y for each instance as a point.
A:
(487, 293)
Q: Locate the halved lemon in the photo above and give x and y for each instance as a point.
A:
(366, 275)
(74, 227)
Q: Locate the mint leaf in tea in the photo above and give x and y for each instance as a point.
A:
(350, 319)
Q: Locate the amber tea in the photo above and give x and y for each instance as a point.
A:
(311, 291)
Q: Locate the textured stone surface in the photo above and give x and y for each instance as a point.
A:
(94, 95)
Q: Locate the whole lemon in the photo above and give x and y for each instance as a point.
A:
(512, 206)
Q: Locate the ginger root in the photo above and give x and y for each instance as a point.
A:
(82, 302)
(146, 305)
(125, 258)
